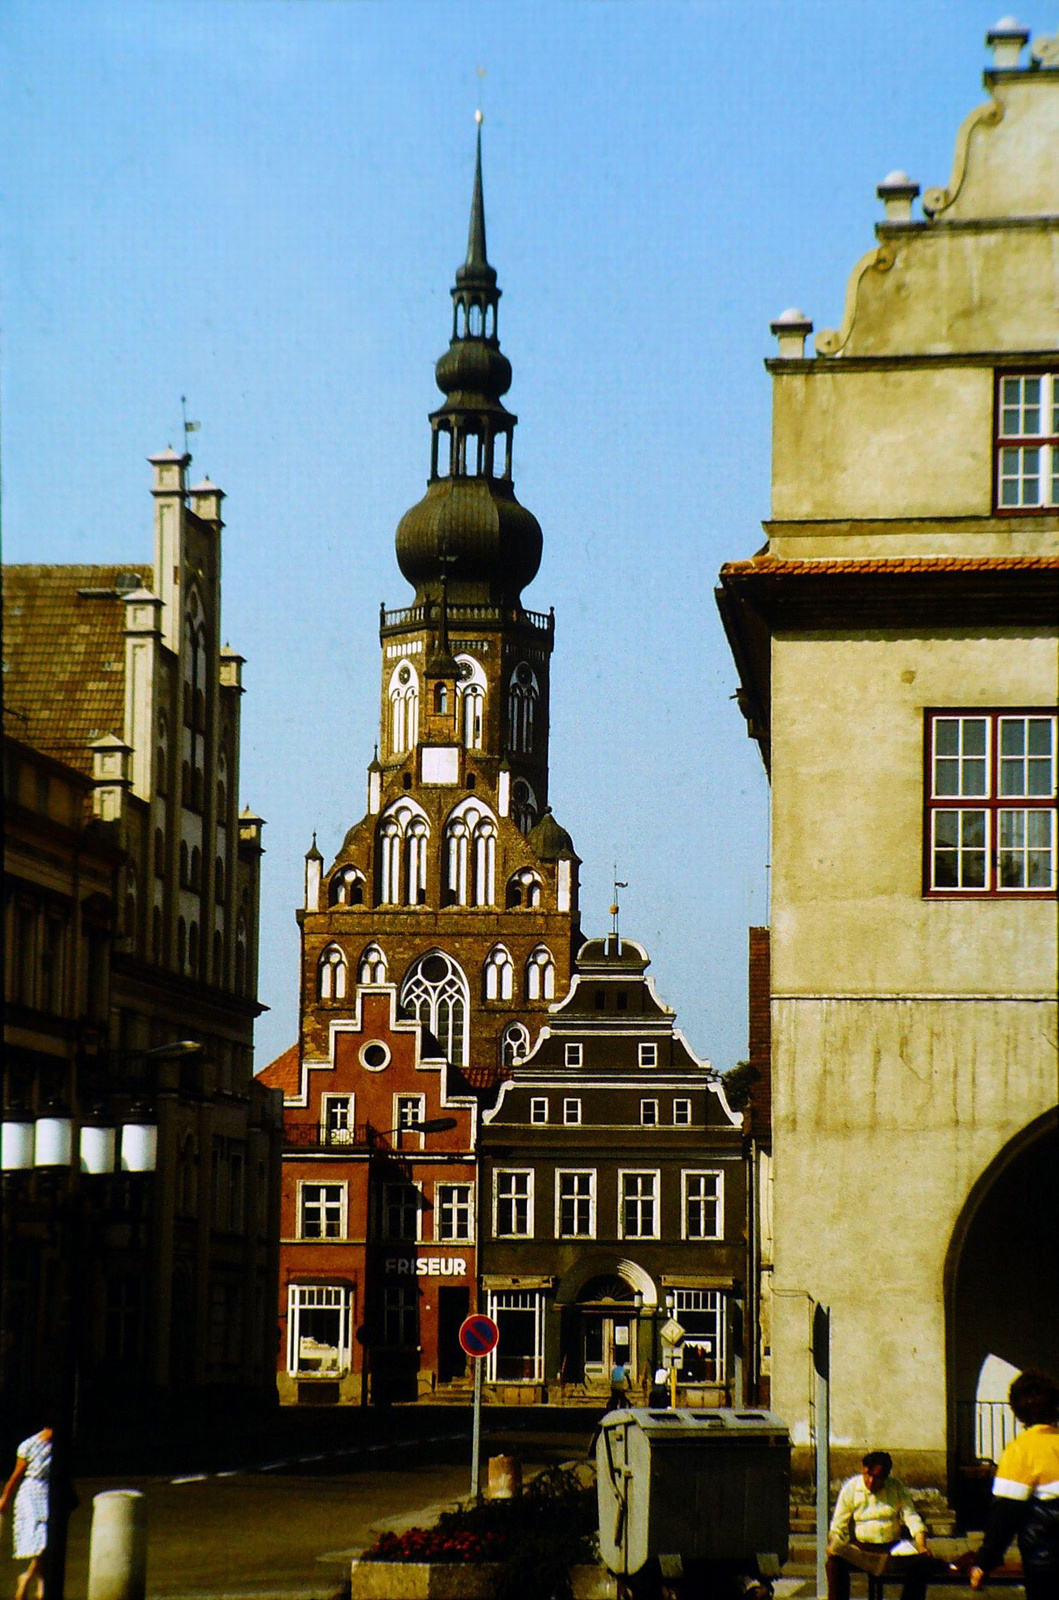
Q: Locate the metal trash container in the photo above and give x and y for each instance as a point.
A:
(705, 1485)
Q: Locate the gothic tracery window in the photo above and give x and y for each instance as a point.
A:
(347, 887)
(523, 694)
(331, 974)
(470, 855)
(523, 889)
(499, 974)
(435, 993)
(540, 974)
(514, 1043)
(470, 692)
(523, 805)
(404, 707)
(403, 835)
(372, 968)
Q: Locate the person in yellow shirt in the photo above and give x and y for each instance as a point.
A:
(870, 1513)
(1026, 1491)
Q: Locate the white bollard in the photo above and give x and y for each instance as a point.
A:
(117, 1555)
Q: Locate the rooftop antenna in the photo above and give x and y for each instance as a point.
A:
(614, 910)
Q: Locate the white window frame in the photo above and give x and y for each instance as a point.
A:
(403, 1136)
(304, 1185)
(318, 1297)
(571, 1112)
(532, 1300)
(574, 1056)
(538, 1104)
(590, 1197)
(327, 1134)
(528, 1197)
(1027, 454)
(456, 1207)
(711, 1303)
(648, 1055)
(684, 1119)
(694, 1175)
(624, 1175)
(649, 1113)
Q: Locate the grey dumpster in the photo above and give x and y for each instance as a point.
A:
(705, 1485)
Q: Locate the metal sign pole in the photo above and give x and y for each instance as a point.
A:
(822, 1367)
(477, 1429)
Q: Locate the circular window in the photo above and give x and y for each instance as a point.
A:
(403, 674)
(374, 1056)
(523, 673)
(522, 791)
(435, 968)
(465, 671)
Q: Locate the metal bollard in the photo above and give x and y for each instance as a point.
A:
(505, 1477)
(117, 1556)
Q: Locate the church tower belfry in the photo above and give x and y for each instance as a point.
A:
(458, 886)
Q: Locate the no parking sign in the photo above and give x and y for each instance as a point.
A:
(479, 1335)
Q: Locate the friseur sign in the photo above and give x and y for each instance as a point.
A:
(426, 1266)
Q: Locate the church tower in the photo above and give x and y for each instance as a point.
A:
(458, 886)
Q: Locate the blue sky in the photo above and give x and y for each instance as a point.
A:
(261, 204)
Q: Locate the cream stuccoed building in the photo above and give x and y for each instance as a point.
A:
(896, 645)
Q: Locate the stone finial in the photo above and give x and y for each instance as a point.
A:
(1007, 39)
(231, 669)
(110, 776)
(206, 502)
(142, 610)
(792, 327)
(313, 872)
(250, 826)
(897, 191)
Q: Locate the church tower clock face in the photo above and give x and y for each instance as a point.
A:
(457, 887)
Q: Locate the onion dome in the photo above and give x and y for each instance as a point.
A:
(469, 526)
(549, 841)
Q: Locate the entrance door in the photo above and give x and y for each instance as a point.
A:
(609, 1340)
(453, 1306)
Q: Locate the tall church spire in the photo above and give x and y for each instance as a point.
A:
(469, 524)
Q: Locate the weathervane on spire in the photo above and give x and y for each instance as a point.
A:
(614, 910)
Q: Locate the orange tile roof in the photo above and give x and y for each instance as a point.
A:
(878, 564)
(64, 656)
(283, 1073)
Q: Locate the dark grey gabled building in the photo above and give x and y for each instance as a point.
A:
(613, 1200)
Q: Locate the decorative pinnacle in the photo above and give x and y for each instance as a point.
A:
(476, 256)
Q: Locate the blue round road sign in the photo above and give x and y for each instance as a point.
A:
(479, 1335)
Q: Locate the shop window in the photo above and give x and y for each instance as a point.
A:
(318, 1328)
(519, 1355)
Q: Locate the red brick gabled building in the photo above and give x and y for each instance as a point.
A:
(378, 1220)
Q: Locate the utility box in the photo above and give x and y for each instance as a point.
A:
(705, 1485)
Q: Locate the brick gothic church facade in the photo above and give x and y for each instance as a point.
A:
(458, 886)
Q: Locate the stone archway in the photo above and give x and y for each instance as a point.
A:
(1001, 1283)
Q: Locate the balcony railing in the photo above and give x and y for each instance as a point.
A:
(310, 1136)
(463, 616)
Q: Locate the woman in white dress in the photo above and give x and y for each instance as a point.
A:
(28, 1485)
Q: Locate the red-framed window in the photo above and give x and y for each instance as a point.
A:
(1027, 442)
(990, 802)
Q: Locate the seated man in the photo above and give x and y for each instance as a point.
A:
(870, 1513)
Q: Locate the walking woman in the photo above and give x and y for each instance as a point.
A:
(28, 1485)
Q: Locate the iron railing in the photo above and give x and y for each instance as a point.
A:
(983, 1429)
(461, 616)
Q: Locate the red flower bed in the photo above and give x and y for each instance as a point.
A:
(432, 1544)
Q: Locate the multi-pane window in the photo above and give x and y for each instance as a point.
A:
(638, 1205)
(573, 1055)
(400, 1211)
(519, 1354)
(703, 1205)
(538, 1109)
(682, 1113)
(1027, 459)
(991, 786)
(407, 1115)
(648, 1055)
(400, 1319)
(700, 1313)
(454, 1212)
(337, 1118)
(572, 1113)
(318, 1328)
(649, 1113)
(513, 1204)
(575, 1205)
(322, 1211)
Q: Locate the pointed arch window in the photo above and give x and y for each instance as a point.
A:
(523, 695)
(523, 889)
(514, 1043)
(240, 955)
(404, 707)
(470, 695)
(435, 993)
(403, 835)
(499, 973)
(331, 974)
(540, 975)
(372, 968)
(470, 855)
(524, 808)
(347, 887)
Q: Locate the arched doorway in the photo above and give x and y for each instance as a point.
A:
(602, 1306)
(1002, 1288)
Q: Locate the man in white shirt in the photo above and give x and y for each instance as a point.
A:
(871, 1511)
